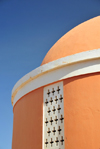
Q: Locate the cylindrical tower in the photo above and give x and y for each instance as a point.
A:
(57, 105)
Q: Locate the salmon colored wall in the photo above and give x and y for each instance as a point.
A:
(83, 37)
(81, 115)
(82, 112)
(27, 121)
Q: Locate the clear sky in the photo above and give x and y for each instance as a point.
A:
(28, 29)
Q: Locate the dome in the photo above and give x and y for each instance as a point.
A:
(83, 37)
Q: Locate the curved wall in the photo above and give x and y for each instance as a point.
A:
(27, 121)
(80, 73)
(82, 112)
(84, 37)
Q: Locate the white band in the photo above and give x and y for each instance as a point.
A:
(74, 65)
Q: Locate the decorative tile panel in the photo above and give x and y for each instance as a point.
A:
(53, 117)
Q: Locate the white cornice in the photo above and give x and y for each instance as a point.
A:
(73, 65)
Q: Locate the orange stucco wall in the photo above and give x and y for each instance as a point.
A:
(82, 112)
(27, 121)
(83, 37)
(81, 98)
(81, 115)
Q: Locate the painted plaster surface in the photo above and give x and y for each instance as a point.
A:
(74, 60)
(82, 112)
(83, 37)
(27, 122)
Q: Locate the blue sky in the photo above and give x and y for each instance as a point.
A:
(28, 29)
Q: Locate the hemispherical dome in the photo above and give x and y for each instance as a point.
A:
(83, 37)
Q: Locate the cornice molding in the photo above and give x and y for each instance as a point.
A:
(66, 67)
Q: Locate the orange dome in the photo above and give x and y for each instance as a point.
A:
(83, 37)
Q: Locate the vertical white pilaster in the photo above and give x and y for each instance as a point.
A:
(53, 117)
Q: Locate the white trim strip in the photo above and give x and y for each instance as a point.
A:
(74, 65)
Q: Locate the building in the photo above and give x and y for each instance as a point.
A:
(57, 105)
